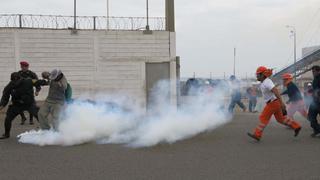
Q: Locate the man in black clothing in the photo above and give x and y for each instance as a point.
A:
(27, 74)
(315, 105)
(22, 98)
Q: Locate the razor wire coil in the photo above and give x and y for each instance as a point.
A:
(82, 22)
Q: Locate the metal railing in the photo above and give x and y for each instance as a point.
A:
(301, 66)
(83, 22)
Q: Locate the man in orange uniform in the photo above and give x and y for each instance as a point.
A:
(274, 106)
(296, 103)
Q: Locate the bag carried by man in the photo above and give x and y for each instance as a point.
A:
(68, 93)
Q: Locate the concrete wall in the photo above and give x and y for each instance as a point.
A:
(93, 61)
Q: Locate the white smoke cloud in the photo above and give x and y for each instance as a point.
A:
(103, 123)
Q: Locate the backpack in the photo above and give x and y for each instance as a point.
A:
(68, 93)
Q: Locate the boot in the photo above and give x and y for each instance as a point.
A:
(315, 134)
(5, 136)
(296, 131)
(253, 136)
(31, 120)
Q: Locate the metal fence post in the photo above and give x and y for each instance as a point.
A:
(94, 22)
(20, 20)
(57, 22)
(132, 24)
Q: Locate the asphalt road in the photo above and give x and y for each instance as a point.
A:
(225, 153)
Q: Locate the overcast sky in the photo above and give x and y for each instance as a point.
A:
(208, 30)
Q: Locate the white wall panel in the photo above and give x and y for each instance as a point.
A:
(93, 61)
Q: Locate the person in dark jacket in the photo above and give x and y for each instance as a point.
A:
(252, 96)
(235, 95)
(314, 108)
(296, 102)
(28, 74)
(22, 98)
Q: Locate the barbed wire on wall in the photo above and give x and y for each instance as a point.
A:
(83, 22)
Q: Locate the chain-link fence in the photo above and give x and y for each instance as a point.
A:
(83, 22)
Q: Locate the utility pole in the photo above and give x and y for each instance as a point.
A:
(147, 27)
(234, 61)
(75, 14)
(170, 17)
(108, 15)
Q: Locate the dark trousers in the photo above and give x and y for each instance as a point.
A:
(312, 116)
(252, 104)
(233, 104)
(23, 117)
(15, 110)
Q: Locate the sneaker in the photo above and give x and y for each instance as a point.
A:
(253, 136)
(315, 134)
(5, 136)
(296, 131)
(31, 123)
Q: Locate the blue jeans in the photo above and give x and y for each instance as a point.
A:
(233, 104)
(252, 104)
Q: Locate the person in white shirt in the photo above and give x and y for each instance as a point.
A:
(274, 105)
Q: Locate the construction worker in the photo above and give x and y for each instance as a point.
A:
(295, 102)
(274, 105)
(315, 105)
(26, 73)
(22, 98)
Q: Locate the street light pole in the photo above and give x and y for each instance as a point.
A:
(294, 33)
(108, 13)
(147, 27)
(295, 54)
